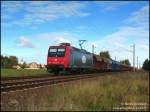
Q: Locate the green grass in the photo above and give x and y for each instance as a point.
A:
(100, 94)
(22, 72)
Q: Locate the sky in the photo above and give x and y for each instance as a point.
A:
(28, 28)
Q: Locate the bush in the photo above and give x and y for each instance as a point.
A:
(146, 64)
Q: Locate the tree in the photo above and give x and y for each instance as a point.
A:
(146, 64)
(105, 54)
(40, 65)
(24, 65)
(126, 61)
(2, 62)
(8, 62)
(13, 60)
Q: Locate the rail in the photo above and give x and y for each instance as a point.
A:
(27, 83)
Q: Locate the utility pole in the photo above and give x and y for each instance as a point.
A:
(93, 48)
(21, 62)
(137, 62)
(139, 65)
(115, 58)
(133, 57)
(92, 52)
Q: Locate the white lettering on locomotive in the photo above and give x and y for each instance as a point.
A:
(83, 59)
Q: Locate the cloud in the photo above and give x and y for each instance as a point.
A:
(122, 39)
(29, 13)
(62, 39)
(58, 37)
(11, 6)
(139, 17)
(37, 12)
(107, 6)
(24, 42)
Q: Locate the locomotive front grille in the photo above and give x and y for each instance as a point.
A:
(55, 66)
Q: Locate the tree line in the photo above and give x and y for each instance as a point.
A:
(8, 61)
(107, 55)
(11, 61)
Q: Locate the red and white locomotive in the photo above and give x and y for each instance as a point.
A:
(67, 58)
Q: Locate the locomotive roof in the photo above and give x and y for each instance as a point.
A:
(83, 50)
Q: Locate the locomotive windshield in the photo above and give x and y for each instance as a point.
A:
(56, 52)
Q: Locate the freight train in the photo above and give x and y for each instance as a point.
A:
(66, 58)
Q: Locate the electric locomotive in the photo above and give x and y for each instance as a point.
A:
(66, 58)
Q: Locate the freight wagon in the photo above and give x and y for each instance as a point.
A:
(101, 63)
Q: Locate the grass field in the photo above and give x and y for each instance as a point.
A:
(127, 91)
(22, 72)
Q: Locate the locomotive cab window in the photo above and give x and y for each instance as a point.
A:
(59, 52)
(52, 52)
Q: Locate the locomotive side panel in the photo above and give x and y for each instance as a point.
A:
(80, 59)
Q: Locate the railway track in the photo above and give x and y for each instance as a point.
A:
(28, 83)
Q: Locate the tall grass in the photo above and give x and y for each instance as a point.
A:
(102, 94)
(99, 94)
(22, 72)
